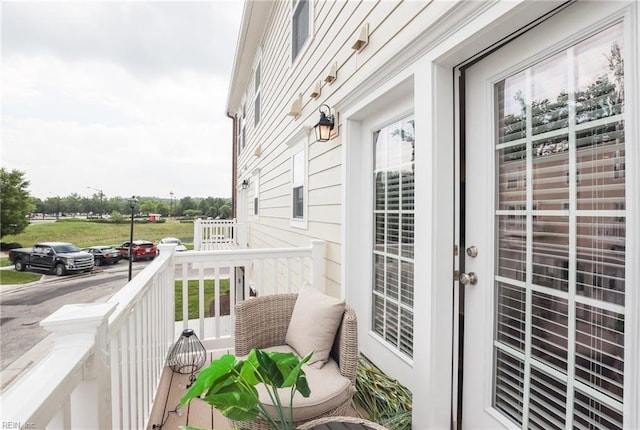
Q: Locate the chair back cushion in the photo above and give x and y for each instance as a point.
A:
(314, 323)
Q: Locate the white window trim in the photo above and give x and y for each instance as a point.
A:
(310, 37)
(301, 223)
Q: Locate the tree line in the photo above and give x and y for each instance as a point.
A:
(97, 205)
(17, 205)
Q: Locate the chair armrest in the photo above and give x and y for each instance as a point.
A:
(345, 347)
(262, 322)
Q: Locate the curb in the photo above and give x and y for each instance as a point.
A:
(16, 288)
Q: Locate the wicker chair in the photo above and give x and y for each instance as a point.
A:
(262, 322)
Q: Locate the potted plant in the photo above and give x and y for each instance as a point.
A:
(229, 385)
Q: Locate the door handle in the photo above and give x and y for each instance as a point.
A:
(468, 278)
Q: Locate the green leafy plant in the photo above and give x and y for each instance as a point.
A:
(229, 385)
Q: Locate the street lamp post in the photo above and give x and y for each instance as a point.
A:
(171, 209)
(101, 194)
(132, 204)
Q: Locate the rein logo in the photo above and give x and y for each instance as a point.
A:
(17, 425)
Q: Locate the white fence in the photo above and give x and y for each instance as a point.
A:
(209, 235)
(104, 369)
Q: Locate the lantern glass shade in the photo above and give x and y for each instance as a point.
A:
(324, 126)
(187, 355)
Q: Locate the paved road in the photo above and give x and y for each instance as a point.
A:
(22, 308)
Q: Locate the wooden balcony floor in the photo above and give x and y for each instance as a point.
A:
(196, 413)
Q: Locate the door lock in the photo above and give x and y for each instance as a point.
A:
(468, 278)
(472, 251)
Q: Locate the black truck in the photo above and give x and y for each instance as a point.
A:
(58, 257)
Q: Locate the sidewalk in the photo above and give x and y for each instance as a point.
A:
(25, 362)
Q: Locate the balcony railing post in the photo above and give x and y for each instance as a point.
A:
(197, 234)
(318, 263)
(67, 387)
(86, 324)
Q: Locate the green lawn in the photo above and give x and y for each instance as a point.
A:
(85, 233)
(11, 277)
(193, 296)
(5, 262)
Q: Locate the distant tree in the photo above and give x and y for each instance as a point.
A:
(212, 212)
(15, 202)
(39, 205)
(162, 208)
(147, 206)
(225, 211)
(192, 213)
(72, 203)
(185, 204)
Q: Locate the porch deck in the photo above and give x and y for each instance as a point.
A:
(196, 413)
(107, 366)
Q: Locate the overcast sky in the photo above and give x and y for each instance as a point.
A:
(126, 97)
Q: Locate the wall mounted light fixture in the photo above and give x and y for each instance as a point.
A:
(245, 184)
(325, 124)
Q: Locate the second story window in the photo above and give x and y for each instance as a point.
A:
(256, 111)
(299, 186)
(299, 26)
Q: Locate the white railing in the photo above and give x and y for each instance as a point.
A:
(104, 369)
(209, 235)
(241, 272)
(107, 360)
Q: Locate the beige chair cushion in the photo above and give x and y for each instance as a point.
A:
(329, 389)
(314, 323)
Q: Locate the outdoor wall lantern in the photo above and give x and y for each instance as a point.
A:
(245, 184)
(325, 124)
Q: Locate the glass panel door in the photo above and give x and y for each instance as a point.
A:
(559, 276)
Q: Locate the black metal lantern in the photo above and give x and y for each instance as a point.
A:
(245, 184)
(187, 355)
(325, 124)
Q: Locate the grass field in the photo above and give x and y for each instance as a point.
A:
(85, 233)
(193, 296)
(11, 277)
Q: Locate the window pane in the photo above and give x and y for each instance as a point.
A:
(256, 111)
(393, 216)
(299, 27)
(298, 202)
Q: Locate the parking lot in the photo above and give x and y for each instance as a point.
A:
(22, 308)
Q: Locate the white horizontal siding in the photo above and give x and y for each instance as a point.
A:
(336, 26)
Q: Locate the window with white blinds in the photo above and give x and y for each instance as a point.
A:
(393, 220)
(560, 222)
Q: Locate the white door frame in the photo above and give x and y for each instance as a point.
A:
(632, 416)
(432, 63)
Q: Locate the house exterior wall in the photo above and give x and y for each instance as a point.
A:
(406, 68)
(335, 27)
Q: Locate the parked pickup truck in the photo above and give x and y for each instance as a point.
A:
(58, 257)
